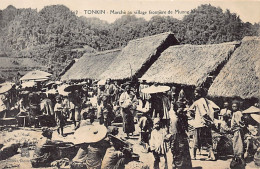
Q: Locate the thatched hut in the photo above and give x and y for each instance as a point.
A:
(138, 56)
(240, 77)
(189, 65)
(90, 66)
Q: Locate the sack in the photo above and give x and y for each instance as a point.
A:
(237, 163)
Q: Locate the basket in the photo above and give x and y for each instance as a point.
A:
(67, 150)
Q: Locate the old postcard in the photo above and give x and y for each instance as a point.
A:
(120, 84)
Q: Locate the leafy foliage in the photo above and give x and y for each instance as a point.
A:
(50, 34)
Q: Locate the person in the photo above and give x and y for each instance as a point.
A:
(160, 106)
(118, 91)
(97, 149)
(46, 107)
(23, 111)
(237, 126)
(3, 105)
(146, 126)
(225, 111)
(110, 91)
(203, 110)
(128, 102)
(99, 103)
(179, 139)
(59, 113)
(143, 85)
(117, 156)
(45, 150)
(79, 161)
(252, 140)
(70, 109)
(87, 112)
(157, 143)
(34, 104)
(77, 103)
(106, 111)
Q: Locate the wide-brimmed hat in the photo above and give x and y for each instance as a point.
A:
(251, 109)
(28, 84)
(5, 88)
(155, 89)
(90, 134)
(70, 88)
(61, 90)
(256, 117)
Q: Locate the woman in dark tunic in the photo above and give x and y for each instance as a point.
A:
(179, 141)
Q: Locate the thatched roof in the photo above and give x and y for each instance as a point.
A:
(138, 55)
(10, 66)
(90, 66)
(240, 76)
(188, 64)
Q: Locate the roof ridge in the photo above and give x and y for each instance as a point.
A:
(102, 52)
(151, 36)
(203, 45)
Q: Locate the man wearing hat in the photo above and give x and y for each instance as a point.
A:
(203, 110)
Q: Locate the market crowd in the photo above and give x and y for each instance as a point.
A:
(169, 118)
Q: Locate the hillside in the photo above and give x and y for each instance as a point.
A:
(52, 34)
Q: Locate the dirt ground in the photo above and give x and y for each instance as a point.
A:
(146, 159)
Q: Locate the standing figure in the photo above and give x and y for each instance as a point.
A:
(106, 111)
(59, 113)
(77, 103)
(70, 108)
(34, 104)
(146, 126)
(237, 126)
(128, 102)
(203, 109)
(160, 106)
(157, 143)
(179, 139)
(225, 111)
(110, 91)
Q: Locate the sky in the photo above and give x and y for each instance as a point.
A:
(109, 10)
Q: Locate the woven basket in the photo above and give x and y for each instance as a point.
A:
(67, 150)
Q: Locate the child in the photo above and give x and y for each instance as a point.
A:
(157, 143)
(146, 125)
(58, 109)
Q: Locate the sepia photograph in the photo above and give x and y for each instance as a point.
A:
(129, 84)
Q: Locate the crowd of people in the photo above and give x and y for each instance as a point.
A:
(168, 120)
